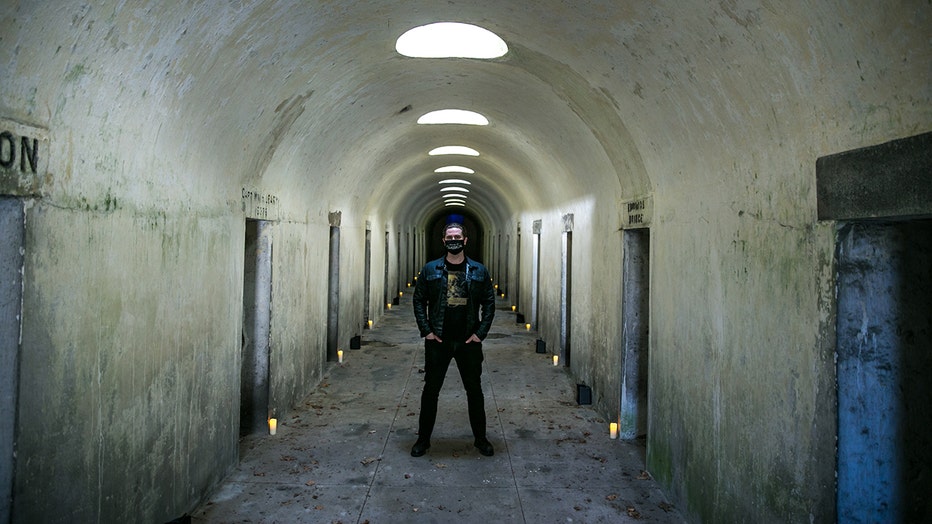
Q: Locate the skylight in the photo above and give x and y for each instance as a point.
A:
(454, 150)
(455, 181)
(454, 169)
(455, 196)
(454, 188)
(453, 116)
(455, 204)
(450, 40)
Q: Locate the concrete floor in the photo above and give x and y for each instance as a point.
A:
(344, 455)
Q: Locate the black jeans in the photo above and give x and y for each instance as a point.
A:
(437, 356)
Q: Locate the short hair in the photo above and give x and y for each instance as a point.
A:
(452, 225)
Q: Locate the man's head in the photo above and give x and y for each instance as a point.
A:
(454, 237)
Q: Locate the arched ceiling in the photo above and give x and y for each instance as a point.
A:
(310, 100)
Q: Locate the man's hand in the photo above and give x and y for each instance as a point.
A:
(431, 336)
(473, 339)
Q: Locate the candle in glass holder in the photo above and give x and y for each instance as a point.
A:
(514, 307)
(556, 359)
(370, 324)
(273, 426)
(527, 326)
(613, 430)
(340, 355)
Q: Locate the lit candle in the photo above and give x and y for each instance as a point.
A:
(613, 430)
(340, 355)
(514, 307)
(370, 324)
(389, 305)
(409, 284)
(528, 326)
(556, 359)
(273, 425)
(401, 293)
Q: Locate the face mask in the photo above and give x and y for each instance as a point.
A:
(453, 246)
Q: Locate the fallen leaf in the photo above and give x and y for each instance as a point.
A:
(644, 475)
(310, 483)
(440, 465)
(611, 497)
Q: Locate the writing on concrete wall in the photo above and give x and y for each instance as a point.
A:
(23, 158)
(637, 213)
(261, 206)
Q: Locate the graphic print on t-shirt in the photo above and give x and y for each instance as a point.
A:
(456, 289)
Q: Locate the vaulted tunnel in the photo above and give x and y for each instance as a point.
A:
(138, 139)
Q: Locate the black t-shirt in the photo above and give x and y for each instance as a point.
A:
(454, 318)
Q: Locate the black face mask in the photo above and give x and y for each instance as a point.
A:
(454, 246)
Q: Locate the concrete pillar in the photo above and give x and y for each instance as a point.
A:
(11, 299)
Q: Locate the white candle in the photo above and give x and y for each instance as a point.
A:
(556, 359)
(528, 326)
(513, 307)
(273, 425)
(340, 355)
(613, 430)
(370, 324)
(389, 305)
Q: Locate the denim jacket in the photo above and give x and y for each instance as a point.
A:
(430, 298)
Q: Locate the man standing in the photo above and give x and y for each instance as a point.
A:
(447, 300)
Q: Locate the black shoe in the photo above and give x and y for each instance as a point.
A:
(484, 446)
(420, 447)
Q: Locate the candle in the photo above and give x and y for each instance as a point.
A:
(613, 430)
(528, 326)
(401, 293)
(340, 355)
(273, 425)
(556, 359)
(514, 307)
(409, 284)
(370, 324)
(389, 305)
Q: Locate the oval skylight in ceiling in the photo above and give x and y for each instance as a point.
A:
(454, 169)
(453, 116)
(450, 40)
(454, 150)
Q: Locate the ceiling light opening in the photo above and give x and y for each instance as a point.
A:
(453, 150)
(454, 169)
(450, 40)
(453, 116)
(455, 181)
(454, 188)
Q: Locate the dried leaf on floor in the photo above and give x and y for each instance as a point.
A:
(633, 513)
(644, 475)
